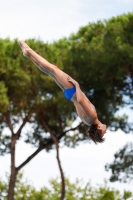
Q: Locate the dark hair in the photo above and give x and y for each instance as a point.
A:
(95, 134)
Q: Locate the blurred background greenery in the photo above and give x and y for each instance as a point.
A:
(99, 56)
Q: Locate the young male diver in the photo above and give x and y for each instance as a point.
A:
(71, 89)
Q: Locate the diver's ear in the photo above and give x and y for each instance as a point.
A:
(99, 127)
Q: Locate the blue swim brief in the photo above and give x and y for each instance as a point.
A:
(68, 93)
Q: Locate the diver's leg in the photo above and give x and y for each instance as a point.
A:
(59, 76)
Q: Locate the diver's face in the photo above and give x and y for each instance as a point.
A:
(103, 128)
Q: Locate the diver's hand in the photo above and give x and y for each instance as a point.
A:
(72, 81)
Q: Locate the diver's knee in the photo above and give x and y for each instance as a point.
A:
(54, 68)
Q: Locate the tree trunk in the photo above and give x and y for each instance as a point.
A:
(54, 138)
(12, 184)
(13, 170)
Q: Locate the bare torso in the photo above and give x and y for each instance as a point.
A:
(87, 117)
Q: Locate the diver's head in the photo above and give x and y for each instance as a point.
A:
(96, 132)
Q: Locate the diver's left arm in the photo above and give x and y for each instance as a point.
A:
(79, 93)
(88, 107)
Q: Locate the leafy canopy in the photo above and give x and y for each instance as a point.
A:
(74, 191)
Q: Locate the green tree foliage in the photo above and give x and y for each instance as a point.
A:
(29, 96)
(122, 167)
(99, 56)
(75, 191)
(105, 51)
(102, 54)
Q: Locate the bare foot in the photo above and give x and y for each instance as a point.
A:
(25, 48)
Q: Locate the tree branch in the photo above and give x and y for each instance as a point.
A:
(9, 123)
(73, 129)
(50, 143)
(24, 122)
(60, 125)
(57, 155)
(30, 157)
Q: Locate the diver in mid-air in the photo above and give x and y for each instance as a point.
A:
(71, 89)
